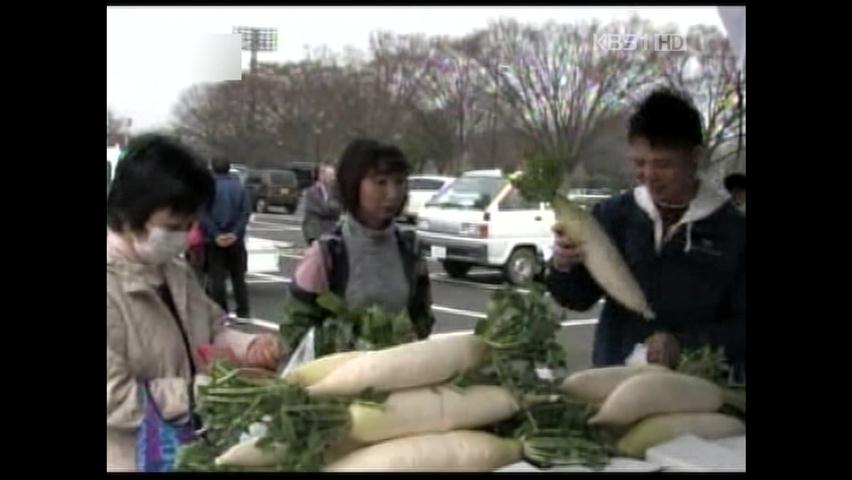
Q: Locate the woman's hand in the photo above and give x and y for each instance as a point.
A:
(264, 352)
(209, 353)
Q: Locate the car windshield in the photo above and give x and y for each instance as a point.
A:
(474, 193)
(281, 178)
(425, 184)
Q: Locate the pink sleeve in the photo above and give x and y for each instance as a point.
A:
(310, 274)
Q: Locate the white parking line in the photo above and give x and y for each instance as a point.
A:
(482, 273)
(270, 229)
(443, 277)
(254, 321)
(457, 311)
(289, 228)
(568, 323)
(270, 224)
(274, 326)
(282, 216)
(268, 278)
(280, 244)
(579, 323)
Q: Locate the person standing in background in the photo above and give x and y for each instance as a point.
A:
(322, 209)
(224, 226)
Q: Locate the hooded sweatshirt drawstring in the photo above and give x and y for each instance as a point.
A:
(688, 237)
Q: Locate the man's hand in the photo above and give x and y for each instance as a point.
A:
(566, 253)
(264, 352)
(226, 240)
(663, 349)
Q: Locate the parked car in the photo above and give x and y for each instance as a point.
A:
(421, 188)
(306, 172)
(240, 171)
(588, 197)
(481, 220)
(273, 188)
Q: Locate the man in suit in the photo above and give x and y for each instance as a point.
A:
(322, 209)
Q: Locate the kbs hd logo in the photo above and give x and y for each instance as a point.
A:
(661, 42)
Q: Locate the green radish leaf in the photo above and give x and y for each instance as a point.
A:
(332, 303)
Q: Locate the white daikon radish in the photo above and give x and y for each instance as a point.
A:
(601, 257)
(654, 393)
(341, 448)
(427, 362)
(314, 371)
(659, 429)
(431, 409)
(248, 454)
(595, 384)
(458, 451)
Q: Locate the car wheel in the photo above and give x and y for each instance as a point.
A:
(289, 209)
(522, 267)
(261, 206)
(456, 269)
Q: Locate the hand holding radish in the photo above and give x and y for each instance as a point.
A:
(264, 352)
(208, 353)
(566, 253)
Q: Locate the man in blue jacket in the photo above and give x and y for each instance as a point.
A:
(682, 239)
(224, 226)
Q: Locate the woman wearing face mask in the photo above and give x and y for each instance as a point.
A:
(366, 259)
(157, 314)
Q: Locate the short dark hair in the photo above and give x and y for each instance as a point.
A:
(735, 181)
(157, 172)
(361, 157)
(667, 118)
(221, 165)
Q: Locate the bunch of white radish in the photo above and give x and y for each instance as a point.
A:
(419, 400)
(425, 422)
(653, 404)
(458, 403)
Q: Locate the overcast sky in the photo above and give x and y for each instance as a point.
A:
(149, 48)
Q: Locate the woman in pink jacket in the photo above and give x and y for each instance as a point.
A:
(157, 314)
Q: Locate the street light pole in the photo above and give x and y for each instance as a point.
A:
(255, 40)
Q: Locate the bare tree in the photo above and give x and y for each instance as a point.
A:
(707, 72)
(453, 85)
(560, 84)
(478, 101)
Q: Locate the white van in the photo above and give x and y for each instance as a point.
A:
(480, 220)
(421, 188)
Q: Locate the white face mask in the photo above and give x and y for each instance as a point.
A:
(161, 245)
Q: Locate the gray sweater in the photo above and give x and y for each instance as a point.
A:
(376, 273)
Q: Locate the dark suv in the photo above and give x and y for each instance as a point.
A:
(273, 188)
(306, 172)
